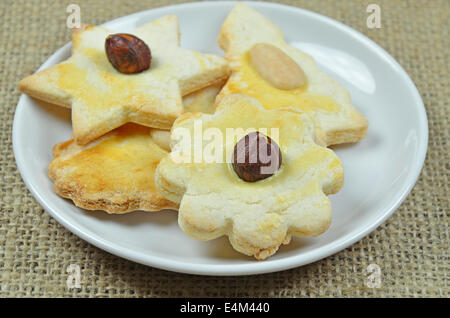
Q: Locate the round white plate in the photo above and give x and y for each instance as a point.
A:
(379, 171)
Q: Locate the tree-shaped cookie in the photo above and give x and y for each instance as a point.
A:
(267, 68)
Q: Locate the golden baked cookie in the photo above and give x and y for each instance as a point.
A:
(265, 67)
(256, 216)
(103, 98)
(115, 173)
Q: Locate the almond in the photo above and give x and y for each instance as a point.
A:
(276, 67)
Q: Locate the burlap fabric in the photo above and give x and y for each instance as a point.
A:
(411, 248)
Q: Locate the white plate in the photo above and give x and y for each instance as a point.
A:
(379, 171)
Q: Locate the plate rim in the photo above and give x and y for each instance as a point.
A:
(256, 267)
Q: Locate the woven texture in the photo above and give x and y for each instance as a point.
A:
(411, 247)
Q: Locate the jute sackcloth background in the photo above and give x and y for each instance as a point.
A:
(411, 248)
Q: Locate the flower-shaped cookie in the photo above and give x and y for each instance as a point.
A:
(256, 216)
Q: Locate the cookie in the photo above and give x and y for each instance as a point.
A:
(161, 138)
(103, 98)
(200, 101)
(115, 173)
(265, 67)
(203, 100)
(256, 216)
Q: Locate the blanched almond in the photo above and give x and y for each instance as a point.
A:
(276, 67)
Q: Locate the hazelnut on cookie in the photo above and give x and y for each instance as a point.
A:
(255, 175)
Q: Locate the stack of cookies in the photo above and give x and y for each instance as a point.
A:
(238, 145)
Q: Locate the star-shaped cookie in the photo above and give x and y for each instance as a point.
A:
(102, 98)
(328, 102)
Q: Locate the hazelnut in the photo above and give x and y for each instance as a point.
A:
(127, 53)
(256, 157)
